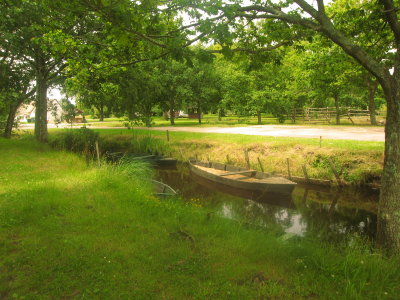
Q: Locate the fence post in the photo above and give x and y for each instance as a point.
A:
(335, 172)
(98, 152)
(87, 155)
(305, 173)
(348, 115)
(288, 168)
(246, 157)
(181, 153)
(167, 136)
(261, 166)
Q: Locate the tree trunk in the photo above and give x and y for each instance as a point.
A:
(13, 108)
(172, 115)
(259, 117)
(147, 117)
(41, 102)
(107, 113)
(219, 115)
(372, 87)
(336, 97)
(199, 112)
(10, 119)
(101, 112)
(389, 206)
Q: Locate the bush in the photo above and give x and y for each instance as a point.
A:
(76, 140)
(149, 144)
(115, 143)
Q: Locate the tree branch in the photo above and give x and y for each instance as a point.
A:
(198, 23)
(321, 7)
(130, 63)
(276, 13)
(147, 38)
(321, 23)
(308, 8)
(391, 17)
(265, 49)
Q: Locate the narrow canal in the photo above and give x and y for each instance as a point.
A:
(328, 214)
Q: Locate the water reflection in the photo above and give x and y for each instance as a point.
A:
(321, 212)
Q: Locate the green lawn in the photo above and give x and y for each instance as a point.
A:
(72, 231)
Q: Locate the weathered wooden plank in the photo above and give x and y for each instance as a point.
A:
(238, 172)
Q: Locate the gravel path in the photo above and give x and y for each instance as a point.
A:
(375, 134)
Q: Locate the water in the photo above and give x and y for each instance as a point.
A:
(325, 213)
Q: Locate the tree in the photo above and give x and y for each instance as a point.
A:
(68, 111)
(15, 89)
(33, 31)
(202, 92)
(141, 91)
(318, 18)
(96, 90)
(331, 73)
(175, 87)
(236, 91)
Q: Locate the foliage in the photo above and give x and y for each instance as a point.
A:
(69, 111)
(76, 140)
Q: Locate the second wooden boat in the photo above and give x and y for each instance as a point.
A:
(241, 178)
(163, 190)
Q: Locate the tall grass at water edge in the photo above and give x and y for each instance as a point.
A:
(83, 140)
(72, 231)
(357, 162)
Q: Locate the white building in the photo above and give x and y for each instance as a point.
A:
(26, 112)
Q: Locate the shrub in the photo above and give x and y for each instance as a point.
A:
(76, 140)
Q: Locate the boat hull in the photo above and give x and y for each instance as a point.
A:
(264, 183)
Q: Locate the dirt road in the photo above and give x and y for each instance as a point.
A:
(375, 134)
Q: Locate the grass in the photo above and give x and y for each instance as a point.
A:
(72, 231)
(358, 162)
(231, 121)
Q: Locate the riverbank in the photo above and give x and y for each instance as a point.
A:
(68, 230)
(358, 163)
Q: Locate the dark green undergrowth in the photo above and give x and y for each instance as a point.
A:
(68, 230)
(83, 140)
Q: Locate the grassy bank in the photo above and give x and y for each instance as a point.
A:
(72, 231)
(357, 162)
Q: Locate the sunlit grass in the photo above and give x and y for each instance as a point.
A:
(68, 230)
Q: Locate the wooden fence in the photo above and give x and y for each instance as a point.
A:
(329, 114)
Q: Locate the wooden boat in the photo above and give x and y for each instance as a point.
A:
(162, 190)
(278, 199)
(241, 178)
(156, 160)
